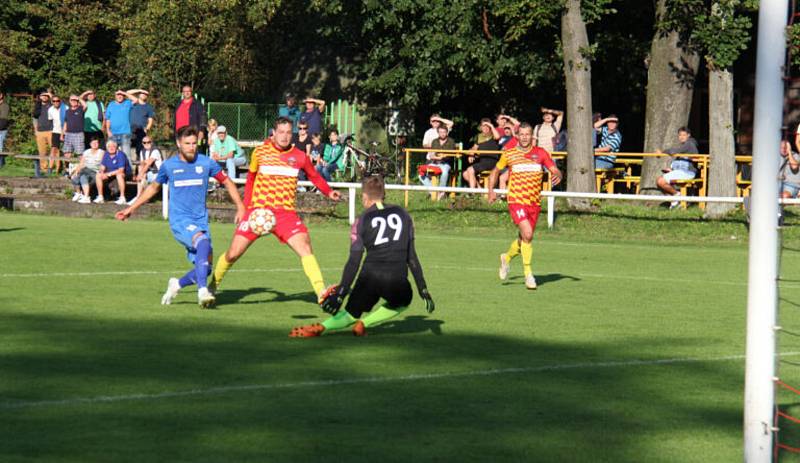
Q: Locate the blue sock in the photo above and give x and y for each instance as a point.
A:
(187, 279)
(201, 265)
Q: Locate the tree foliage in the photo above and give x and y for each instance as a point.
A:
(723, 30)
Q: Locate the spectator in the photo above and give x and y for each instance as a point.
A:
(313, 114)
(43, 128)
(94, 117)
(432, 133)
(212, 133)
(302, 140)
(189, 111)
(291, 111)
(545, 134)
(507, 138)
(73, 128)
(332, 159)
(227, 152)
(5, 115)
(504, 122)
(86, 172)
(150, 160)
(610, 141)
(56, 115)
(790, 171)
(681, 167)
(486, 140)
(440, 160)
(113, 166)
(595, 117)
(142, 118)
(118, 121)
(316, 148)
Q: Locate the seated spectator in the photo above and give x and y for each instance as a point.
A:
(681, 167)
(227, 152)
(312, 116)
(316, 148)
(332, 157)
(610, 142)
(150, 160)
(507, 129)
(441, 161)
(73, 128)
(486, 140)
(213, 125)
(432, 133)
(546, 133)
(86, 172)
(114, 165)
(790, 171)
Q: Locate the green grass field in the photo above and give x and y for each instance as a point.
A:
(631, 350)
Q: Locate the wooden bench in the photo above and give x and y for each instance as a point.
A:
(604, 178)
(684, 186)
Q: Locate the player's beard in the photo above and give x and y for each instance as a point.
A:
(189, 158)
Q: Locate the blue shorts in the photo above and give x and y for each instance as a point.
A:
(678, 174)
(790, 188)
(184, 233)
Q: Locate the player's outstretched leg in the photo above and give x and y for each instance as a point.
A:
(340, 321)
(239, 245)
(381, 314)
(505, 259)
(301, 245)
(526, 249)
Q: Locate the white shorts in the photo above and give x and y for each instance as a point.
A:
(673, 175)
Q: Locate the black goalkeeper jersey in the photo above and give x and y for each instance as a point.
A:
(386, 234)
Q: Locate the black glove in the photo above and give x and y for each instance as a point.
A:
(332, 299)
(426, 296)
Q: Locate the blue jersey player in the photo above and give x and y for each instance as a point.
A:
(187, 176)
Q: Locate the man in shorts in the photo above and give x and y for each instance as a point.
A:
(526, 163)
(386, 234)
(681, 167)
(272, 185)
(73, 129)
(187, 176)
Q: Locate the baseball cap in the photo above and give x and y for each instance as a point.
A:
(221, 129)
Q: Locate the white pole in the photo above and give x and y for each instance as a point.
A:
(351, 193)
(551, 211)
(762, 293)
(165, 201)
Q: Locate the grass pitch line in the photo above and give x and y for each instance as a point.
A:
(10, 405)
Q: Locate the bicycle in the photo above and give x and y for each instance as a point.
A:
(360, 163)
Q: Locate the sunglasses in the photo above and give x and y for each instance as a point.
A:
(303, 128)
(56, 101)
(146, 142)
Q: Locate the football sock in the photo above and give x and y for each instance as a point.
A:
(203, 247)
(311, 268)
(339, 321)
(513, 250)
(526, 249)
(381, 314)
(221, 269)
(187, 279)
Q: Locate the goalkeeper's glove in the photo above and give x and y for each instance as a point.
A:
(332, 299)
(430, 306)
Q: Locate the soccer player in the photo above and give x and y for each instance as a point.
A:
(386, 233)
(526, 163)
(188, 175)
(272, 184)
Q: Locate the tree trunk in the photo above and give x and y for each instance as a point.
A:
(578, 75)
(722, 165)
(670, 85)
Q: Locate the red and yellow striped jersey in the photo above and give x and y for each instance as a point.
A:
(275, 171)
(527, 171)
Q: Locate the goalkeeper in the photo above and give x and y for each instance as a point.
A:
(386, 233)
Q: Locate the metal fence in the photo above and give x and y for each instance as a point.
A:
(245, 121)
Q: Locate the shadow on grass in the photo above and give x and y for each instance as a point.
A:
(13, 229)
(236, 296)
(247, 393)
(545, 278)
(611, 214)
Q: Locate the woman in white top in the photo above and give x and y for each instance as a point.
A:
(212, 133)
(149, 162)
(86, 171)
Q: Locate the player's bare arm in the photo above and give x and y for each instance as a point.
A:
(146, 196)
(493, 176)
(233, 192)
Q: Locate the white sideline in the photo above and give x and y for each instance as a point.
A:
(9, 405)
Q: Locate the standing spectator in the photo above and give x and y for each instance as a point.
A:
(227, 152)
(43, 128)
(440, 160)
(507, 138)
(118, 121)
(790, 171)
(150, 160)
(313, 114)
(86, 172)
(291, 111)
(610, 141)
(681, 167)
(486, 140)
(332, 158)
(189, 111)
(545, 133)
(56, 115)
(142, 118)
(73, 128)
(93, 117)
(113, 166)
(432, 133)
(5, 114)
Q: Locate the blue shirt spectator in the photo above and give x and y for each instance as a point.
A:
(313, 114)
(139, 115)
(290, 111)
(116, 160)
(610, 141)
(118, 115)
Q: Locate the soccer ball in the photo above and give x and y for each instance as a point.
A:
(261, 221)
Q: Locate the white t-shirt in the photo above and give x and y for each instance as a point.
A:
(92, 159)
(546, 132)
(54, 114)
(153, 154)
